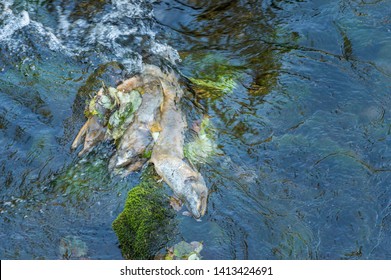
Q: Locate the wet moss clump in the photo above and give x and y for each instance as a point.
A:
(146, 224)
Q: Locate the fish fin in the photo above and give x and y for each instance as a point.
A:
(130, 84)
(80, 136)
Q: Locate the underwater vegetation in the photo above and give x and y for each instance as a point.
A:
(203, 146)
(214, 75)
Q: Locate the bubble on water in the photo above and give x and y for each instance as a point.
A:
(374, 113)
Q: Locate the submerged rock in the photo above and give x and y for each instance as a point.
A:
(145, 225)
(214, 75)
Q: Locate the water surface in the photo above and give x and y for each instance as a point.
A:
(302, 117)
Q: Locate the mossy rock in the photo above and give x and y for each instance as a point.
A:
(146, 224)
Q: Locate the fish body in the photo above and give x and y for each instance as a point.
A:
(158, 124)
(168, 158)
(138, 136)
(92, 132)
(187, 183)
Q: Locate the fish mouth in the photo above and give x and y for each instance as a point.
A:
(195, 214)
(197, 204)
(202, 205)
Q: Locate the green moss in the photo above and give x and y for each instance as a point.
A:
(145, 225)
(147, 154)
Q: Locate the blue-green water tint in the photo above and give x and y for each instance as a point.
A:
(308, 130)
(305, 131)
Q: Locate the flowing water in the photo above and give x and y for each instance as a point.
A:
(298, 91)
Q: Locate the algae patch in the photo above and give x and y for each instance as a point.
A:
(146, 224)
(214, 75)
(80, 180)
(203, 146)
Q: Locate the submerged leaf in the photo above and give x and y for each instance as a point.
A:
(182, 249)
(197, 246)
(193, 257)
(91, 108)
(185, 251)
(222, 83)
(106, 102)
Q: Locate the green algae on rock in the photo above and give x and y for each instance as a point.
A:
(146, 224)
(79, 181)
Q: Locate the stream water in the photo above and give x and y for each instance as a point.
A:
(298, 91)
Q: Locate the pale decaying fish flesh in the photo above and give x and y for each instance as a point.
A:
(158, 125)
(138, 137)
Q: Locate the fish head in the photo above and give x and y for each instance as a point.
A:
(197, 197)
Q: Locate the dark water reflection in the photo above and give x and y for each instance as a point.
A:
(307, 130)
(303, 123)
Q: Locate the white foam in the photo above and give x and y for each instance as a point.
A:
(7, 4)
(119, 32)
(130, 20)
(51, 40)
(12, 23)
(165, 51)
